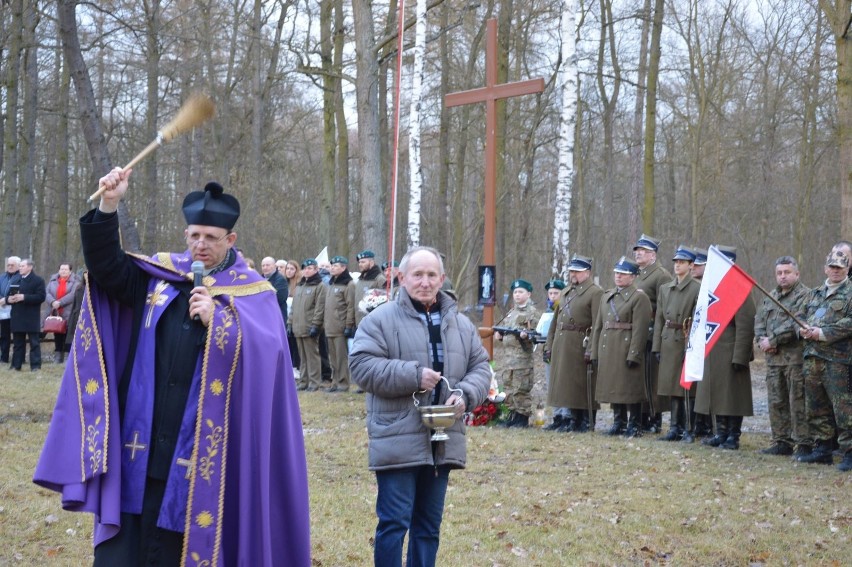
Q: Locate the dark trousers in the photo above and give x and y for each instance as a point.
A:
(409, 500)
(59, 343)
(5, 339)
(19, 350)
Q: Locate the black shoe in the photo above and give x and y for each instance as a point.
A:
(633, 431)
(332, 389)
(778, 449)
(311, 389)
(688, 437)
(558, 420)
(821, 454)
(674, 434)
(301, 387)
(846, 464)
(513, 417)
(732, 443)
(521, 421)
(714, 441)
(616, 429)
(802, 451)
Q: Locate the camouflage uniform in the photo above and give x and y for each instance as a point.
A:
(828, 383)
(515, 359)
(785, 384)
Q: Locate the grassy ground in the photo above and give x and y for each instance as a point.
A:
(527, 498)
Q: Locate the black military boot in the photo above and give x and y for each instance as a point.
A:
(619, 419)
(634, 425)
(558, 420)
(676, 424)
(821, 454)
(846, 464)
(513, 417)
(568, 422)
(521, 421)
(721, 432)
(735, 424)
(581, 421)
(702, 424)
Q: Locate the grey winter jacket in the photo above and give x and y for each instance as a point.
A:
(390, 348)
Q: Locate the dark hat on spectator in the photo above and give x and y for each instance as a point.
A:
(626, 266)
(700, 256)
(211, 207)
(837, 259)
(340, 260)
(684, 253)
(729, 252)
(555, 283)
(521, 283)
(648, 243)
(309, 262)
(365, 254)
(580, 263)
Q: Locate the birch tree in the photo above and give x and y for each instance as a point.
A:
(567, 124)
(416, 171)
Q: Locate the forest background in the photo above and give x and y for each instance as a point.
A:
(697, 121)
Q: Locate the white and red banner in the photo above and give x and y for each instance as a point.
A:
(724, 288)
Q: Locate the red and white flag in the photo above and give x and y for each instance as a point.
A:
(723, 290)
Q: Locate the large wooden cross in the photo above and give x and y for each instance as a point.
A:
(490, 94)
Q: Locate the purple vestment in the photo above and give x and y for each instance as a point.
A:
(238, 488)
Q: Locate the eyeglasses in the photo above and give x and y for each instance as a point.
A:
(193, 240)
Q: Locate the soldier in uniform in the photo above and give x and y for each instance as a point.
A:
(725, 390)
(307, 318)
(515, 362)
(339, 321)
(702, 425)
(776, 334)
(371, 278)
(675, 306)
(652, 276)
(827, 310)
(568, 349)
(699, 264)
(561, 415)
(619, 338)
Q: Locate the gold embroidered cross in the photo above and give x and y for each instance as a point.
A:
(185, 463)
(135, 445)
(154, 299)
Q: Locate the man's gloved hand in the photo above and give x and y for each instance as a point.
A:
(739, 367)
(314, 331)
(657, 356)
(348, 332)
(632, 364)
(546, 356)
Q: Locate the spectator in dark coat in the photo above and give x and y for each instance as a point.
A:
(12, 263)
(26, 315)
(270, 272)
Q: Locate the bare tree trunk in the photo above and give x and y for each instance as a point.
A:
(27, 188)
(437, 237)
(369, 146)
(649, 212)
(341, 216)
(10, 135)
(327, 230)
(148, 179)
(91, 123)
(633, 205)
(414, 158)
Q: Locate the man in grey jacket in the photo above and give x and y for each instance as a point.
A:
(405, 348)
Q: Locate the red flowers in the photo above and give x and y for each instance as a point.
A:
(485, 413)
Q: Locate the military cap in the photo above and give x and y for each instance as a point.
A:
(309, 262)
(648, 243)
(626, 266)
(580, 263)
(729, 252)
(340, 260)
(211, 207)
(555, 283)
(521, 283)
(684, 253)
(700, 256)
(365, 254)
(837, 259)
(386, 265)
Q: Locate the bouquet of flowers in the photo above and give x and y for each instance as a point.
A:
(485, 413)
(373, 298)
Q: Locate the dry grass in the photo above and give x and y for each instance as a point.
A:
(527, 498)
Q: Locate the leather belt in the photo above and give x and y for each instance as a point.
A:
(672, 325)
(617, 325)
(578, 328)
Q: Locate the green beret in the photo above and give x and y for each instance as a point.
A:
(521, 283)
(365, 254)
(309, 262)
(558, 284)
(340, 260)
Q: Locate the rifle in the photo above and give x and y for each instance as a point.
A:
(537, 338)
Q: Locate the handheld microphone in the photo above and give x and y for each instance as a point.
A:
(197, 269)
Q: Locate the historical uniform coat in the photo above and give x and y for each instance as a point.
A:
(573, 318)
(619, 335)
(340, 305)
(676, 303)
(308, 306)
(650, 279)
(724, 390)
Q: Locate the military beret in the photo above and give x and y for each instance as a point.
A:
(700, 256)
(580, 263)
(211, 207)
(684, 253)
(365, 254)
(837, 259)
(521, 283)
(309, 262)
(626, 266)
(386, 265)
(729, 252)
(648, 243)
(558, 284)
(340, 260)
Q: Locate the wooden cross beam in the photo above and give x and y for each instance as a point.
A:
(490, 94)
